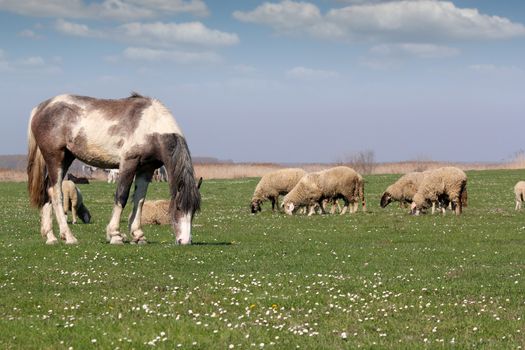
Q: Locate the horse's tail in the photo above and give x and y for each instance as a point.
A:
(36, 171)
(185, 195)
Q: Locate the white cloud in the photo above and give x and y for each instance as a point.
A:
(392, 20)
(108, 9)
(303, 73)
(496, 69)
(174, 33)
(75, 29)
(157, 34)
(184, 57)
(414, 49)
(284, 17)
(33, 64)
(28, 33)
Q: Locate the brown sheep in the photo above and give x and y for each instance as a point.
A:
(73, 202)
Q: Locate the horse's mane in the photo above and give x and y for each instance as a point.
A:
(184, 189)
(135, 94)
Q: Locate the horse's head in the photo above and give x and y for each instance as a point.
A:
(187, 203)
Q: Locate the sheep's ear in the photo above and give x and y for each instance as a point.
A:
(199, 183)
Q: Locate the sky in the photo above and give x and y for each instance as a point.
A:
(283, 81)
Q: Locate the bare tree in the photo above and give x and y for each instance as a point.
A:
(363, 161)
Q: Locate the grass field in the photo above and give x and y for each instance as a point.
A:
(381, 279)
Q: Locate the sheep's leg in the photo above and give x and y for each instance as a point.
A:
(433, 207)
(46, 223)
(277, 202)
(345, 207)
(518, 204)
(311, 210)
(66, 203)
(272, 199)
(74, 206)
(142, 180)
(459, 206)
(113, 234)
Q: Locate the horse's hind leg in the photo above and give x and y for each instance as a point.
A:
(56, 172)
(46, 223)
(142, 180)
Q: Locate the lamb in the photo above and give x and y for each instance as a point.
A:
(73, 202)
(519, 191)
(274, 184)
(339, 182)
(443, 185)
(404, 189)
(156, 212)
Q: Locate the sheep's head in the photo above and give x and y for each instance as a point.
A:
(289, 208)
(419, 202)
(255, 206)
(84, 214)
(386, 199)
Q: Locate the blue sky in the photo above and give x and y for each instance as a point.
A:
(283, 81)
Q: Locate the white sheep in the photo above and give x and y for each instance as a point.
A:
(156, 212)
(403, 190)
(335, 183)
(72, 201)
(441, 186)
(274, 184)
(519, 191)
(113, 175)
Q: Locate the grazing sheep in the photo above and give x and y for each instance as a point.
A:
(519, 191)
(73, 202)
(441, 186)
(404, 189)
(274, 184)
(78, 180)
(156, 212)
(113, 175)
(339, 182)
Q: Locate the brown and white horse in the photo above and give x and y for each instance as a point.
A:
(135, 134)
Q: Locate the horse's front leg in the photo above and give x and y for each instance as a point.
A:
(142, 180)
(113, 235)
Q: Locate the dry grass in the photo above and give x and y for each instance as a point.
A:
(244, 170)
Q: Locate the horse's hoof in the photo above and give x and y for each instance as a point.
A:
(51, 241)
(72, 241)
(116, 240)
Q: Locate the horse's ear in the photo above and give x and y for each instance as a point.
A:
(199, 183)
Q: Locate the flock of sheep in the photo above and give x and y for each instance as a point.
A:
(442, 188)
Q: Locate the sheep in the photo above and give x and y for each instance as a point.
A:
(113, 175)
(519, 191)
(403, 190)
(443, 185)
(339, 182)
(274, 184)
(156, 212)
(78, 180)
(72, 201)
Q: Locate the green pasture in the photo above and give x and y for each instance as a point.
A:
(381, 279)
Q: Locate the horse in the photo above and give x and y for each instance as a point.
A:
(136, 134)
